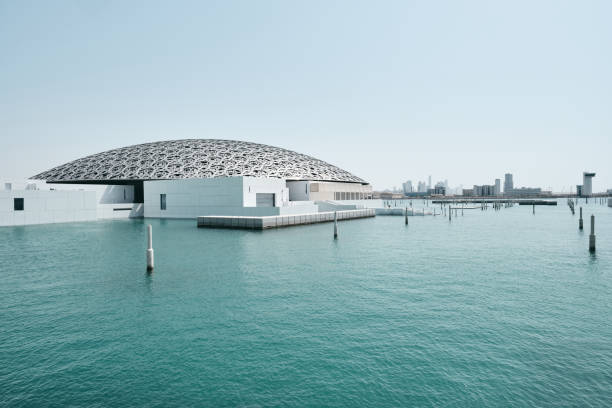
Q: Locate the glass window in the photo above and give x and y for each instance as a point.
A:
(162, 201)
(18, 204)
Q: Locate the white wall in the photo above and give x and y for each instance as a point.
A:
(325, 190)
(254, 185)
(299, 190)
(111, 201)
(117, 210)
(116, 194)
(192, 198)
(46, 207)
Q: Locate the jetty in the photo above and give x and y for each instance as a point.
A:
(537, 202)
(278, 221)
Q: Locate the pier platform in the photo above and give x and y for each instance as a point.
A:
(537, 202)
(278, 221)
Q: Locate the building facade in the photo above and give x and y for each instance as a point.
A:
(484, 190)
(508, 183)
(587, 183)
(190, 178)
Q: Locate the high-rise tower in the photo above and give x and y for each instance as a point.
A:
(587, 183)
(508, 183)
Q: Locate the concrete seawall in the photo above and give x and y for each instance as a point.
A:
(277, 221)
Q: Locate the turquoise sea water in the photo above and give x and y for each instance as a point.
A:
(496, 308)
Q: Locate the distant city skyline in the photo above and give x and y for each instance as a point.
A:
(459, 91)
(496, 186)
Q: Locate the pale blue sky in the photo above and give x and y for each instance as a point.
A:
(388, 90)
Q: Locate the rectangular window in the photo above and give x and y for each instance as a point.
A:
(264, 199)
(162, 201)
(18, 204)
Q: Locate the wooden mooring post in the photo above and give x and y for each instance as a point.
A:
(592, 236)
(335, 224)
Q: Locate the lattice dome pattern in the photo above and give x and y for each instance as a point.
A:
(196, 158)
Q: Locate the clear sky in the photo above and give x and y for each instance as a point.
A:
(461, 90)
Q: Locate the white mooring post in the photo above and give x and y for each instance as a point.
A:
(150, 260)
(406, 217)
(592, 236)
(580, 224)
(335, 224)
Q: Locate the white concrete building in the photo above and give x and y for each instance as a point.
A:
(246, 196)
(185, 179)
(29, 203)
(28, 207)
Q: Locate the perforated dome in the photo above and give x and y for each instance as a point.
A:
(195, 158)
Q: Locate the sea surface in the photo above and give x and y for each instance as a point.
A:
(494, 308)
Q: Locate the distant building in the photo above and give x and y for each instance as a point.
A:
(429, 182)
(439, 189)
(422, 187)
(586, 188)
(525, 192)
(497, 186)
(484, 191)
(508, 183)
(467, 192)
(587, 183)
(388, 195)
(407, 187)
(416, 194)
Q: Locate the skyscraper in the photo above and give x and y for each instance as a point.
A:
(497, 186)
(407, 186)
(508, 183)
